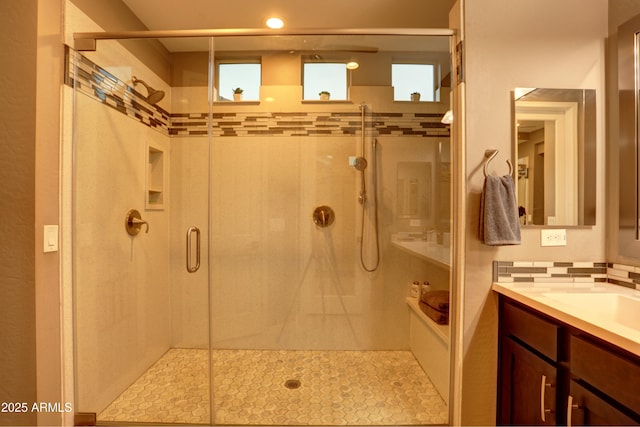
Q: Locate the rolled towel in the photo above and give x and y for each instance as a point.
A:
(440, 317)
(436, 299)
(499, 221)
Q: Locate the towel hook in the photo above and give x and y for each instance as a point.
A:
(489, 155)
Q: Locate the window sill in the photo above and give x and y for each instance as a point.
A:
(416, 102)
(330, 101)
(252, 102)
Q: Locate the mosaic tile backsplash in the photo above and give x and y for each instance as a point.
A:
(550, 271)
(96, 82)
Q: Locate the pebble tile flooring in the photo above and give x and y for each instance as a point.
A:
(267, 387)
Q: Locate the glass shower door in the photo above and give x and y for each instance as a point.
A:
(301, 332)
(140, 221)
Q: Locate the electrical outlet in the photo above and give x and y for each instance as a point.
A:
(553, 237)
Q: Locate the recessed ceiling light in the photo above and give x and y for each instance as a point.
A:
(275, 23)
(352, 65)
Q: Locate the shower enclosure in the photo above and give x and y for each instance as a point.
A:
(240, 297)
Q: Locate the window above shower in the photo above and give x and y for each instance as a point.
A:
(414, 82)
(238, 77)
(325, 81)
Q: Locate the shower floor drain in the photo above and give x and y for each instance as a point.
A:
(292, 384)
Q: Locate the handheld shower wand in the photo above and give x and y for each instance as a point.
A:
(361, 165)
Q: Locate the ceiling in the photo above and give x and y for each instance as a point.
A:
(200, 14)
(299, 14)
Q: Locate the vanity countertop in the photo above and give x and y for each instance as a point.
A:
(607, 311)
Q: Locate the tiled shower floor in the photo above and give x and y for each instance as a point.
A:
(335, 388)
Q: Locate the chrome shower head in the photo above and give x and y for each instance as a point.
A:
(153, 96)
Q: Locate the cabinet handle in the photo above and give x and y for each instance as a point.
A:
(570, 407)
(543, 386)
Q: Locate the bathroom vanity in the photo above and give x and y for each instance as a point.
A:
(567, 356)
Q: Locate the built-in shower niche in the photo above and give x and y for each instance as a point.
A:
(156, 159)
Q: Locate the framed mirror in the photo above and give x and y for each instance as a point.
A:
(628, 148)
(554, 134)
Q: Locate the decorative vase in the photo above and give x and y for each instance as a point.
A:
(324, 96)
(415, 97)
(237, 97)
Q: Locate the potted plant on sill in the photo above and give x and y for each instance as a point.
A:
(324, 95)
(237, 94)
(415, 96)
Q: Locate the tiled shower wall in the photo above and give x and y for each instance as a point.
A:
(98, 83)
(292, 150)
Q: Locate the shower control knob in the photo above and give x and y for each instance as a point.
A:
(323, 216)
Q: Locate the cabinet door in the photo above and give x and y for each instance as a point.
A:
(606, 369)
(527, 387)
(586, 409)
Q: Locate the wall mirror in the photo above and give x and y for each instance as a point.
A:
(628, 101)
(554, 132)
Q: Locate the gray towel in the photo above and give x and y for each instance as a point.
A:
(499, 224)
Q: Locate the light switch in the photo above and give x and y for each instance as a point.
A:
(50, 238)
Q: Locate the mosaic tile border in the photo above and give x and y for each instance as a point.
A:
(97, 83)
(570, 272)
(307, 124)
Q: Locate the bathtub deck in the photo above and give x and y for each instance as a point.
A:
(335, 388)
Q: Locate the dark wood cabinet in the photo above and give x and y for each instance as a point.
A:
(588, 409)
(528, 389)
(551, 373)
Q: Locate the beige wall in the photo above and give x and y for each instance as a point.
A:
(17, 210)
(30, 355)
(510, 44)
(48, 293)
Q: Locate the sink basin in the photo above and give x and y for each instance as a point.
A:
(614, 307)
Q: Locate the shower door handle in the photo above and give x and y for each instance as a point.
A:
(190, 267)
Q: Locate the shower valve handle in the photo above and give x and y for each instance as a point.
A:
(140, 222)
(133, 222)
(323, 216)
